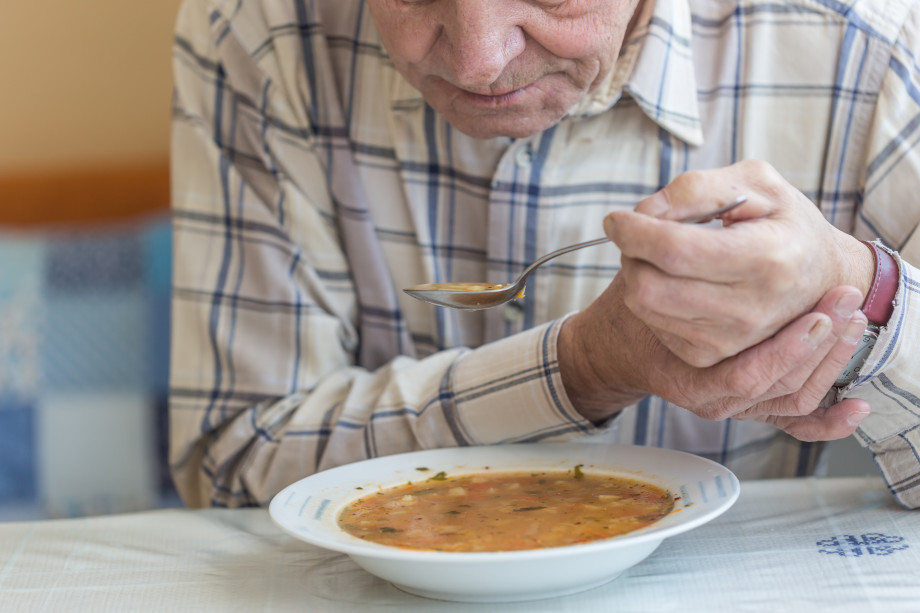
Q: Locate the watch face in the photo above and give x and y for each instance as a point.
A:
(863, 349)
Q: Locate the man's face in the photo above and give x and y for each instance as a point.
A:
(503, 67)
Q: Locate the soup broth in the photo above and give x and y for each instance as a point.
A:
(464, 286)
(505, 511)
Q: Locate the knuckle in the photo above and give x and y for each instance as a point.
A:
(698, 357)
(801, 405)
(803, 433)
(759, 169)
(746, 384)
(694, 351)
(725, 410)
(692, 182)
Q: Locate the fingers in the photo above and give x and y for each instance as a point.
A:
(701, 322)
(817, 374)
(742, 383)
(648, 232)
(699, 191)
(824, 375)
(682, 297)
(789, 374)
(782, 380)
(681, 250)
(804, 399)
(824, 424)
(801, 413)
(756, 371)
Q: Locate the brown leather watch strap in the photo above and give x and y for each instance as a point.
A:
(878, 304)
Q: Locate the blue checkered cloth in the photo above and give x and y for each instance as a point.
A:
(84, 340)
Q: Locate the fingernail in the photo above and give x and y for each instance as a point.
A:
(854, 331)
(857, 417)
(848, 303)
(608, 225)
(817, 333)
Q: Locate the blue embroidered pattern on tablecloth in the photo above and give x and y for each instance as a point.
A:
(873, 544)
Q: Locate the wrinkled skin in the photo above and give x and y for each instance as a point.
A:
(709, 294)
(754, 320)
(503, 67)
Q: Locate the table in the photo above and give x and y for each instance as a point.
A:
(809, 545)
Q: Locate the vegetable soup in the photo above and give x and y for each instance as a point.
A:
(505, 511)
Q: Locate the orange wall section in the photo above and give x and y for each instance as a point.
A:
(86, 103)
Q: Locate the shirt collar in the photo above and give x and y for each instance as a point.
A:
(663, 81)
(655, 68)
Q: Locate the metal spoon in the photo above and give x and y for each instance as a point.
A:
(475, 296)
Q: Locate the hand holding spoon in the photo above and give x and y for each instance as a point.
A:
(474, 296)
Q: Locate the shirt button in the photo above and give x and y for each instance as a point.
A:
(512, 312)
(524, 156)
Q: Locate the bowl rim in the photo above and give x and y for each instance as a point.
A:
(340, 541)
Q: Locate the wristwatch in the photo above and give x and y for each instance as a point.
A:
(877, 307)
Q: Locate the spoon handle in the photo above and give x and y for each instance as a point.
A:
(558, 252)
(598, 241)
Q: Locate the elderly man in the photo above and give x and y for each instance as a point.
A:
(329, 154)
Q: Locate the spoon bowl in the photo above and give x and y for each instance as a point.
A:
(456, 296)
(478, 295)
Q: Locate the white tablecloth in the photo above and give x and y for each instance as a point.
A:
(787, 545)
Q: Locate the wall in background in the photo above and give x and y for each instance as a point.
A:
(85, 83)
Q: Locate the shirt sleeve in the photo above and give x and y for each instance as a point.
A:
(264, 387)
(890, 378)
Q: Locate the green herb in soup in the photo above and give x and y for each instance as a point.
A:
(505, 511)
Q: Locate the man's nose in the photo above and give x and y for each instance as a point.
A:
(481, 37)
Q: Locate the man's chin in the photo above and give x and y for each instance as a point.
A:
(509, 125)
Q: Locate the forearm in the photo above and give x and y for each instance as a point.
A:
(508, 391)
(240, 453)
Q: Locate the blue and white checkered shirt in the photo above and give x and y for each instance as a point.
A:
(312, 183)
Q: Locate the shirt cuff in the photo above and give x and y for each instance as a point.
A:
(511, 391)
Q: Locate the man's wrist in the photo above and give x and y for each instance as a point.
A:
(595, 392)
(877, 307)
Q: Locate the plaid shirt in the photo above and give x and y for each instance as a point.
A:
(312, 183)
